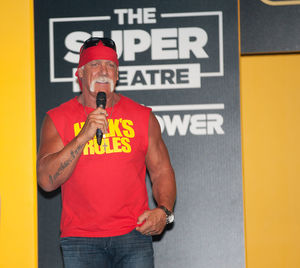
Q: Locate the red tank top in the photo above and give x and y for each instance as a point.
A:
(106, 192)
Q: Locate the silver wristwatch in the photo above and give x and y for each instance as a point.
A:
(169, 214)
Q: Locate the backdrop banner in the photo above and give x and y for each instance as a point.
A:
(181, 59)
(270, 26)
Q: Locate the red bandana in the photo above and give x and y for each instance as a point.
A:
(99, 52)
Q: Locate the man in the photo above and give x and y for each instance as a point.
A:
(106, 221)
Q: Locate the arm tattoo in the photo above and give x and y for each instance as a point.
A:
(65, 164)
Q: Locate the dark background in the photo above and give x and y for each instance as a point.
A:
(269, 29)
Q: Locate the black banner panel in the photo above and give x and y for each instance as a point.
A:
(181, 59)
(270, 26)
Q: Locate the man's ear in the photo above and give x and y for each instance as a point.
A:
(80, 72)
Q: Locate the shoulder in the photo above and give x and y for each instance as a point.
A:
(63, 118)
(133, 105)
(66, 107)
(65, 114)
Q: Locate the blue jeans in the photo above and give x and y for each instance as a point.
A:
(132, 250)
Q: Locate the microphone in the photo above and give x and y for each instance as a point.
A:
(100, 102)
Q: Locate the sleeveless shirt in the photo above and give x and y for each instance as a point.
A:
(106, 192)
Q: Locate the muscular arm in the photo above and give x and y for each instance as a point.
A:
(162, 178)
(56, 162)
(159, 167)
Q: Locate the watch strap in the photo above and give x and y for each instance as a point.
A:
(169, 214)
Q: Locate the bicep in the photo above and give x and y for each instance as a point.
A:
(50, 141)
(157, 157)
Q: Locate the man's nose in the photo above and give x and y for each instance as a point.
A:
(103, 69)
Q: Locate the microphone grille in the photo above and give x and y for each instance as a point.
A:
(101, 99)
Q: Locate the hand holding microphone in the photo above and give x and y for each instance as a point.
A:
(96, 121)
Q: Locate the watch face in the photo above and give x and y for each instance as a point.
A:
(169, 215)
(171, 218)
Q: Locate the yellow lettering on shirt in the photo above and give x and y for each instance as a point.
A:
(78, 127)
(121, 132)
(117, 144)
(114, 129)
(126, 148)
(106, 146)
(89, 148)
(129, 131)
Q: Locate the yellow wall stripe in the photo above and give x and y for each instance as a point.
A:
(270, 108)
(18, 221)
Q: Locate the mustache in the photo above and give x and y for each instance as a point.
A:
(101, 79)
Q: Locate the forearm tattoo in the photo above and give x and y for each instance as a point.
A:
(65, 164)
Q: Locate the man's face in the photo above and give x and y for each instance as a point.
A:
(99, 75)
